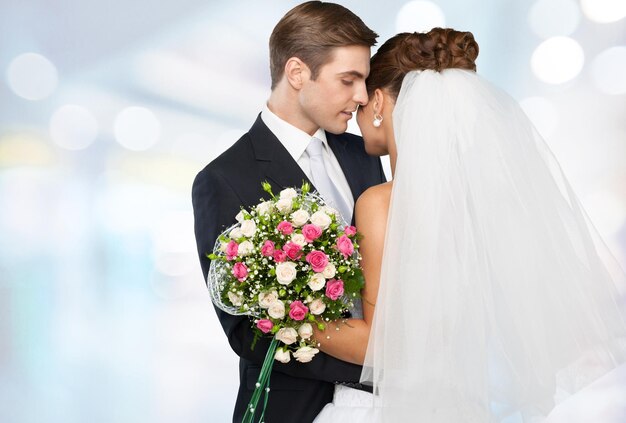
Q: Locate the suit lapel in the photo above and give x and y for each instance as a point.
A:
(338, 145)
(274, 161)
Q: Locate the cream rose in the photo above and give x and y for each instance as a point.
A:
(223, 247)
(245, 248)
(317, 306)
(284, 205)
(239, 216)
(329, 271)
(235, 233)
(287, 335)
(317, 282)
(321, 219)
(288, 194)
(305, 354)
(276, 310)
(248, 228)
(305, 331)
(267, 298)
(286, 272)
(282, 355)
(264, 208)
(300, 217)
(298, 239)
(330, 211)
(234, 298)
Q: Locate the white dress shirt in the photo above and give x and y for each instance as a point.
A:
(296, 141)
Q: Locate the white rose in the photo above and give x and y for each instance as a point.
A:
(276, 310)
(317, 282)
(234, 298)
(300, 217)
(288, 194)
(284, 205)
(321, 219)
(235, 233)
(286, 272)
(264, 208)
(287, 335)
(282, 355)
(267, 298)
(305, 331)
(317, 307)
(329, 271)
(245, 248)
(329, 211)
(239, 216)
(298, 239)
(305, 354)
(223, 247)
(248, 228)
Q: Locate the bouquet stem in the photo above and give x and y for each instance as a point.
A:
(262, 385)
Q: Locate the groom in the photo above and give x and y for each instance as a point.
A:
(319, 59)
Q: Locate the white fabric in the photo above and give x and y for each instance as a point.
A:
(349, 405)
(496, 293)
(321, 180)
(296, 141)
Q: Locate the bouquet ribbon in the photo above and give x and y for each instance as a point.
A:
(262, 385)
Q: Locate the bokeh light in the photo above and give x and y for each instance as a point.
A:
(419, 16)
(604, 11)
(549, 18)
(32, 76)
(608, 70)
(557, 60)
(73, 127)
(137, 128)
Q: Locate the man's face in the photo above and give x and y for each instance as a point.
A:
(329, 100)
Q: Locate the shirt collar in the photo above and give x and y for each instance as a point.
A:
(293, 139)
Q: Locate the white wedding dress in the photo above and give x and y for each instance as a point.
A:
(349, 404)
(497, 297)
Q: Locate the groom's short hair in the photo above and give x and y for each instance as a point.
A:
(310, 32)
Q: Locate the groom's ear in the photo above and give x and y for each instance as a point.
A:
(296, 72)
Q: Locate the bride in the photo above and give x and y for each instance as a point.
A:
(489, 294)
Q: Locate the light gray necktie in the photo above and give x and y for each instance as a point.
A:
(322, 181)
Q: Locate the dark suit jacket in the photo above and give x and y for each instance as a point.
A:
(298, 391)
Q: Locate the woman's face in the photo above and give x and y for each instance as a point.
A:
(377, 139)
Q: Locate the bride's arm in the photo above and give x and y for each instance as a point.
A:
(349, 343)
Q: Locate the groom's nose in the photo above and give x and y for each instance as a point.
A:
(360, 95)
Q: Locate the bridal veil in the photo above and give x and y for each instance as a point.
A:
(497, 297)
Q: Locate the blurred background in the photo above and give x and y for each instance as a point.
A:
(109, 109)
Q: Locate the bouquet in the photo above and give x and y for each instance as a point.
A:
(289, 263)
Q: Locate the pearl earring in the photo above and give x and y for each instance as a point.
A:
(378, 119)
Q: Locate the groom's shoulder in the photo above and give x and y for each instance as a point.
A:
(353, 141)
(231, 158)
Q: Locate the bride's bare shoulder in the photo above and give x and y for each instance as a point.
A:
(375, 199)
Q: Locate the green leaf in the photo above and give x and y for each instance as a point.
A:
(354, 282)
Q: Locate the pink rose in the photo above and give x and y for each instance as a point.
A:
(265, 325)
(318, 260)
(231, 250)
(267, 249)
(285, 228)
(334, 289)
(297, 310)
(311, 232)
(280, 256)
(240, 271)
(293, 250)
(349, 230)
(345, 246)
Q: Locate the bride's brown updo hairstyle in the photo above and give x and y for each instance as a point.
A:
(437, 49)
